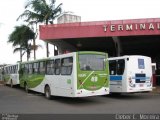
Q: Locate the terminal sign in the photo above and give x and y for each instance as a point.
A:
(131, 27)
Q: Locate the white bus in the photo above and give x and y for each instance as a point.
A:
(10, 74)
(129, 74)
(76, 74)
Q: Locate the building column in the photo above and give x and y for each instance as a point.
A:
(118, 46)
(47, 49)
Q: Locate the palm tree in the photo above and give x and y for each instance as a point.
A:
(35, 47)
(41, 12)
(20, 38)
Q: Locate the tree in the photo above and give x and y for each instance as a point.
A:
(20, 38)
(41, 12)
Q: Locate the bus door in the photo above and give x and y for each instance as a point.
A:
(116, 68)
(67, 73)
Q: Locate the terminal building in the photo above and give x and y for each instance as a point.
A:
(117, 37)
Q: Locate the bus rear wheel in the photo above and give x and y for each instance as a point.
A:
(47, 92)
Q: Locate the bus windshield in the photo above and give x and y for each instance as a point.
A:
(90, 62)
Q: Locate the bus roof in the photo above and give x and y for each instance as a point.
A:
(127, 56)
(64, 55)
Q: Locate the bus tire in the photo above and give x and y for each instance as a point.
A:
(26, 88)
(47, 92)
(11, 84)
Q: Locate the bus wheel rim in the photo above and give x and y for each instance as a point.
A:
(47, 93)
(26, 88)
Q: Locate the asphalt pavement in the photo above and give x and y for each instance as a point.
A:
(16, 100)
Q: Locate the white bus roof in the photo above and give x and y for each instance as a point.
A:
(126, 56)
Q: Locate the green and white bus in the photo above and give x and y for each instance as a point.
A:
(76, 74)
(10, 74)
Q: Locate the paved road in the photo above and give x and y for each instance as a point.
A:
(15, 100)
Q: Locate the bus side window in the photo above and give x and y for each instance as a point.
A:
(57, 66)
(12, 70)
(66, 66)
(9, 70)
(26, 68)
(50, 67)
(16, 69)
(120, 67)
(42, 67)
(6, 70)
(112, 67)
(30, 68)
(35, 67)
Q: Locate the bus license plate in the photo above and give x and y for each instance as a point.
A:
(141, 85)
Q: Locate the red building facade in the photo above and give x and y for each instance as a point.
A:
(101, 29)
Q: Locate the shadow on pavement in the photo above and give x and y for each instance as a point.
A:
(130, 96)
(73, 101)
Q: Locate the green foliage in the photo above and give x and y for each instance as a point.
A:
(20, 38)
(39, 11)
(21, 35)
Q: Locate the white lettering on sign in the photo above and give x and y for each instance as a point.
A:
(112, 28)
(151, 27)
(131, 27)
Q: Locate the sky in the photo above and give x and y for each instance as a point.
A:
(89, 10)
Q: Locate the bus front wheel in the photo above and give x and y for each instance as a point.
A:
(47, 92)
(11, 84)
(26, 88)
